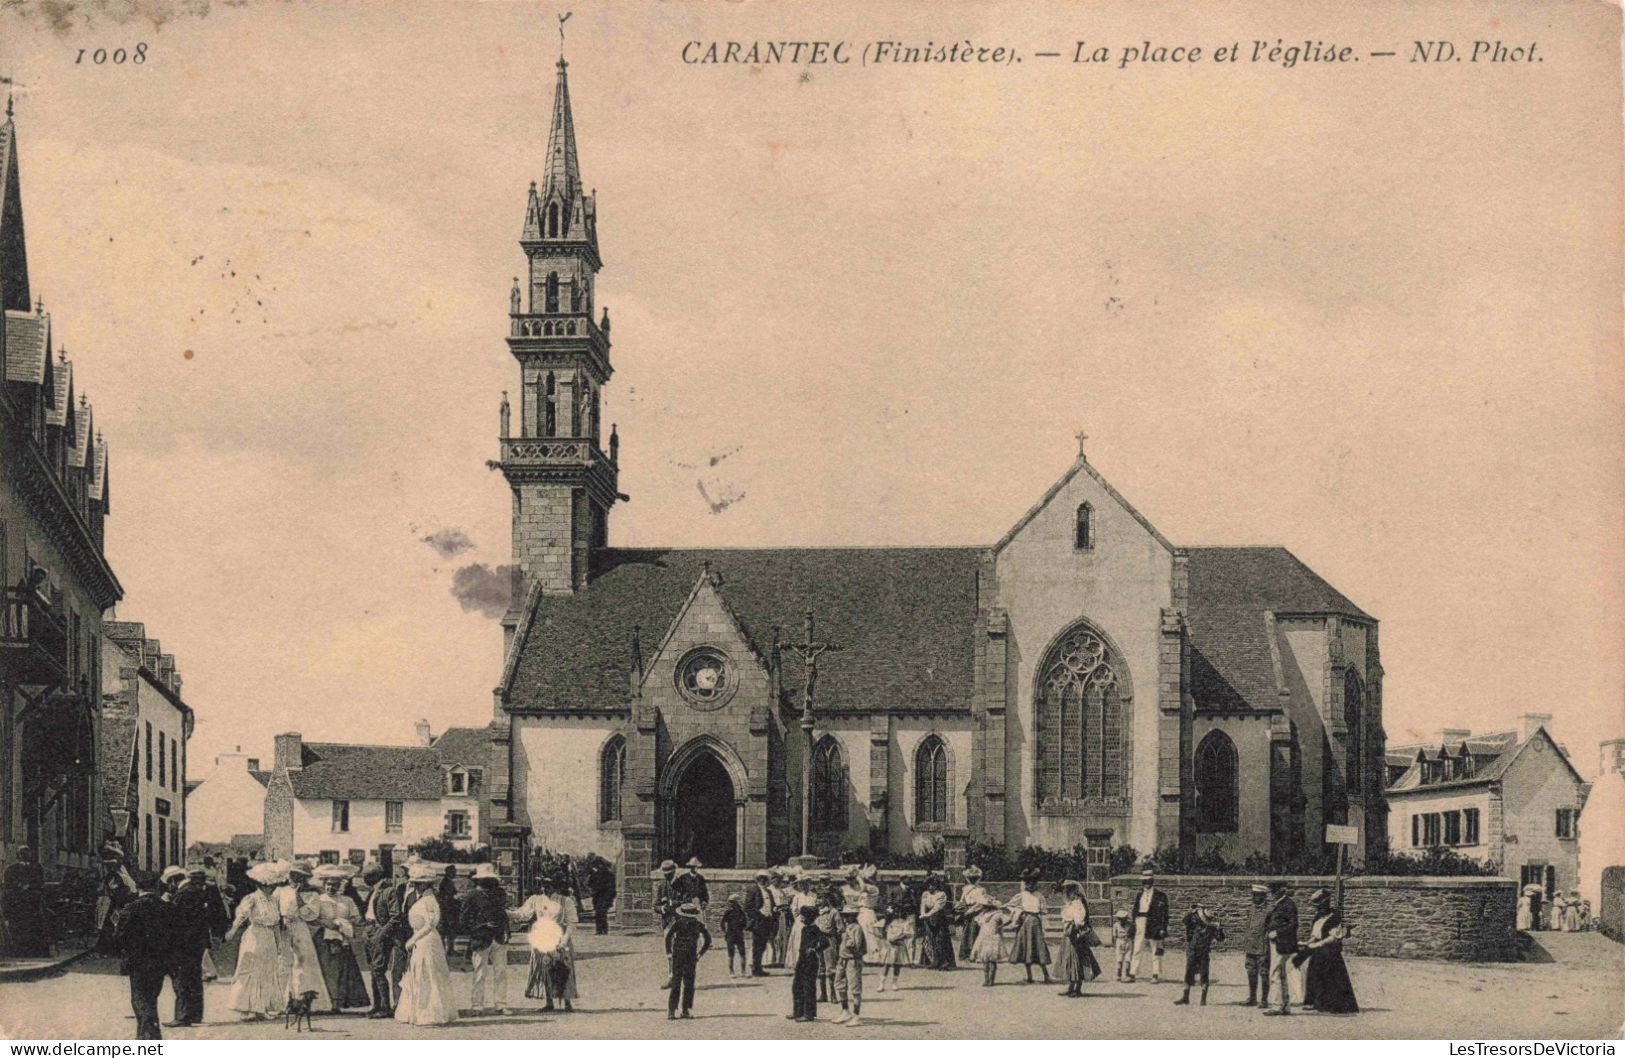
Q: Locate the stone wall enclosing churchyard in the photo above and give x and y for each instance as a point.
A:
(1472, 919)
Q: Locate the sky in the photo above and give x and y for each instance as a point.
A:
(1370, 312)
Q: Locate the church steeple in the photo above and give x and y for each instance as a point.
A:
(563, 483)
(14, 296)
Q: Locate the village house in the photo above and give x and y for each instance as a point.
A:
(145, 728)
(229, 801)
(341, 803)
(1511, 798)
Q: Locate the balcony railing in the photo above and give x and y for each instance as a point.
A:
(551, 451)
(553, 325)
(34, 636)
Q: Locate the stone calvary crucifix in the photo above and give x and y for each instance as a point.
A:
(809, 650)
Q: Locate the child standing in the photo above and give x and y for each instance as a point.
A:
(1201, 932)
(899, 934)
(734, 921)
(811, 942)
(853, 946)
(1123, 941)
(829, 924)
(686, 941)
(988, 948)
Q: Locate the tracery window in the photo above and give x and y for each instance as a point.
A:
(1217, 795)
(1082, 745)
(611, 776)
(931, 781)
(828, 785)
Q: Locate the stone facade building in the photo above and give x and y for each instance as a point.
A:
(54, 575)
(1507, 797)
(1081, 681)
(145, 729)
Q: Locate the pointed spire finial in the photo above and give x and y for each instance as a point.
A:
(562, 20)
(9, 106)
(1082, 437)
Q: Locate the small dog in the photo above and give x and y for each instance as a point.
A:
(299, 1011)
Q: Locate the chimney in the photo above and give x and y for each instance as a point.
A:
(290, 751)
(422, 729)
(253, 764)
(1528, 722)
(1613, 756)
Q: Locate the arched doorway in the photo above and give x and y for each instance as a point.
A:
(704, 813)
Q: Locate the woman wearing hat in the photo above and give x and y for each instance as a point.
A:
(1077, 963)
(549, 914)
(967, 908)
(989, 947)
(335, 950)
(426, 997)
(301, 909)
(874, 933)
(1326, 984)
(258, 989)
(1029, 948)
(800, 897)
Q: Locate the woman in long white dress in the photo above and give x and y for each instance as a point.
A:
(874, 930)
(301, 909)
(800, 898)
(550, 913)
(259, 989)
(426, 997)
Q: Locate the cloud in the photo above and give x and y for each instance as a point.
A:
(479, 587)
(449, 543)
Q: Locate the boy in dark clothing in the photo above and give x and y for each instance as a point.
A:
(686, 941)
(809, 967)
(1258, 949)
(1281, 928)
(1201, 933)
(734, 921)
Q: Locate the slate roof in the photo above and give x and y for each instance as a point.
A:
(905, 618)
(62, 397)
(392, 773)
(26, 347)
(1231, 588)
(261, 777)
(469, 746)
(1492, 754)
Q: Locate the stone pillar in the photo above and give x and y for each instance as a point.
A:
(637, 865)
(1173, 733)
(510, 847)
(994, 740)
(955, 841)
(879, 784)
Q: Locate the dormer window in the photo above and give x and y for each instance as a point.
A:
(459, 782)
(1083, 534)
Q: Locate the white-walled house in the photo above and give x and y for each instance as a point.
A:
(229, 801)
(145, 727)
(1508, 797)
(338, 802)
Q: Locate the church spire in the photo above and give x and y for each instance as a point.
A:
(563, 170)
(14, 294)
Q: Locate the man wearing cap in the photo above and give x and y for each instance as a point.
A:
(1281, 928)
(379, 943)
(146, 940)
(484, 917)
(761, 911)
(1150, 926)
(601, 884)
(1258, 949)
(194, 920)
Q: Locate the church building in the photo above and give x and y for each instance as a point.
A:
(1082, 681)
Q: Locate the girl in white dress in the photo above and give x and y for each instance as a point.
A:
(426, 997)
(301, 913)
(259, 989)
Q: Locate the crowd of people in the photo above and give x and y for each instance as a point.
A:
(1563, 912)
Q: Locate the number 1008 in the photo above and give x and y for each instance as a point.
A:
(117, 56)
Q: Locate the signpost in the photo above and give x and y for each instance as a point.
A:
(1342, 836)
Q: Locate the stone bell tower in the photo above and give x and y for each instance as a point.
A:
(563, 482)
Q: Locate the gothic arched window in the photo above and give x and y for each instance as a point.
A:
(1353, 718)
(931, 781)
(552, 220)
(1217, 794)
(1083, 537)
(1082, 745)
(550, 407)
(611, 776)
(828, 786)
(552, 301)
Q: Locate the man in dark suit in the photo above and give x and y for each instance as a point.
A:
(665, 899)
(691, 886)
(379, 944)
(146, 939)
(1150, 926)
(601, 884)
(1281, 927)
(761, 911)
(195, 919)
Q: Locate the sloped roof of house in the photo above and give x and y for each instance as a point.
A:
(394, 773)
(1493, 754)
(904, 618)
(1231, 589)
(467, 746)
